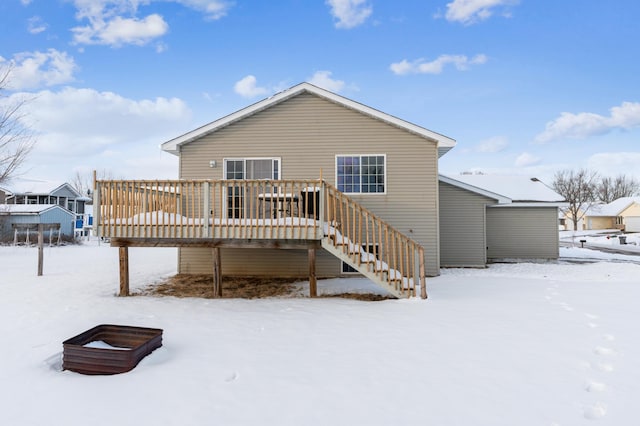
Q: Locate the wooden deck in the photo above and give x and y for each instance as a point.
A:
(257, 213)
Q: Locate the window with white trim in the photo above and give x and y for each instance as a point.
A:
(361, 174)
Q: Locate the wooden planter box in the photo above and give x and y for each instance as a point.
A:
(133, 343)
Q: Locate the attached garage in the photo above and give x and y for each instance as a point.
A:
(485, 218)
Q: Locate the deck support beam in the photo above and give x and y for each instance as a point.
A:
(217, 273)
(124, 271)
(313, 284)
(41, 248)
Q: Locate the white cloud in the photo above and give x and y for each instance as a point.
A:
(461, 62)
(494, 144)
(586, 124)
(31, 70)
(472, 11)
(616, 163)
(119, 31)
(213, 9)
(84, 121)
(35, 25)
(26, 2)
(323, 79)
(247, 87)
(349, 13)
(115, 22)
(525, 160)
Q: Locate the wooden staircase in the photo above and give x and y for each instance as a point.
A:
(371, 246)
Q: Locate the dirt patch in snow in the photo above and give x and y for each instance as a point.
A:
(188, 285)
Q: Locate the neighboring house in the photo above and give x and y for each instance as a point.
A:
(46, 193)
(565, 220)
(23, 216)
(485, 218)
(623, 214)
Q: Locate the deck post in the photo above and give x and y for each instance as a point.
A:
(321, 216)
(40, 248)
(206, 213)
(313, 285)
(423, 278)
(217, 273)
(124, 271)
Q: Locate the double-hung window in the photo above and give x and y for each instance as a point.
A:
(361, 174)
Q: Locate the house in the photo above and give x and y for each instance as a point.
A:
(22, 218)
(488, 218)
(622, 214)
(22, 191)
(305, 183)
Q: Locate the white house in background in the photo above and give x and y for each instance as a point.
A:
(623, 214)
(487, 218)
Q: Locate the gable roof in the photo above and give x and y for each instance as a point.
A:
(25, 186)
(499, 198)
(173, 146)
(614, 208)
(517, 189)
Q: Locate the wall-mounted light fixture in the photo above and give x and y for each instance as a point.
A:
(213, 163)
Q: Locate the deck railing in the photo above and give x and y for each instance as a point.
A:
(261, 209)
(240, 209)
(367, 239)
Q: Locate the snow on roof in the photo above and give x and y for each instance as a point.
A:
(518, 188)
(614, 208)
(37, 187)
(26, 208)
(173, 146)
(32, 186)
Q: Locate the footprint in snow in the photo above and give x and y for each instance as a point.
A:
(595, 387)
(601, 350)
(232, 377)
(605, 366)
(595, 411)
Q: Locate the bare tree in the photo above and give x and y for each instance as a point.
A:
(610, 189)
(16, 140)
(83, 182)
(578, 187)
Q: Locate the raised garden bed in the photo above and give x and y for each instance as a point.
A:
(109, 349)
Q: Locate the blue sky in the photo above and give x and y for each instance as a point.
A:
(525, 87)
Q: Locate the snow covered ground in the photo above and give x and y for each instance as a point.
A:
(516, 344)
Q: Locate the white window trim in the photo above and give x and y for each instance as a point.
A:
(244, 160)
(386, 182)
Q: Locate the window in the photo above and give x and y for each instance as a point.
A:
(619, 220)
(246, 168)
(361, 174)
(252, 168)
